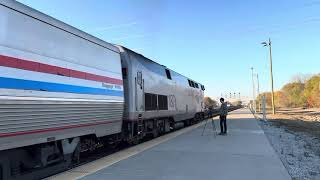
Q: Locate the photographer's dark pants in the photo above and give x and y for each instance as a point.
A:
(223, 124)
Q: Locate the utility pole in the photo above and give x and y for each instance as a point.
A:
(253, 93)
(259, 100)
(271, 75)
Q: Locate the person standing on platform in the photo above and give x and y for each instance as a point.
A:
(223, 117)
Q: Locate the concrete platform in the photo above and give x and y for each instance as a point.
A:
(244, 153)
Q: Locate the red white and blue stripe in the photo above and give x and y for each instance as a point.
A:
(24, 74)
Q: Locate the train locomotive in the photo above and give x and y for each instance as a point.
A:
(63, 91)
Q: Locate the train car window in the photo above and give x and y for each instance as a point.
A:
(154, 104)
(147, 101)
(168, 74)
(196, 85)
(192, 84)
(151, 101)
(189, 83)
(163, 102)
(139, 78)
(124, 73)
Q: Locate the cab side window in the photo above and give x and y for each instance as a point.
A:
(168, 74)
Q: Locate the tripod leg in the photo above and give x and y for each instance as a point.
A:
(204, 127)
(214, 129)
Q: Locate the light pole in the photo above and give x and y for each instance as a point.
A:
(259, 101)
(271, 74)
(253, 93)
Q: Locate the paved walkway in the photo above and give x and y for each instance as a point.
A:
(244, 154)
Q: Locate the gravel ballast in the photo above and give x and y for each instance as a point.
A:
(297, 147)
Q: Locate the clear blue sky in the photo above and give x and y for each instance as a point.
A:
(214, 42)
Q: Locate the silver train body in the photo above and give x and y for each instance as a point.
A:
(156, 97)
(146, 81)
(57, 82)
(63, 90)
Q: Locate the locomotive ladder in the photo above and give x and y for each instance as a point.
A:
(140, 126)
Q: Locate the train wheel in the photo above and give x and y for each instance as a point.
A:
(135, 141)
(155, 133)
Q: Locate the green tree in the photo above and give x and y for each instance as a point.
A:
(303, 91)
(312, 91)
(278, 99)
(293, 95)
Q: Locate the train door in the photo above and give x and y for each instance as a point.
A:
(139, 87)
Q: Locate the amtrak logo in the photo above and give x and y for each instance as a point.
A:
(107, 86)
(171, 100)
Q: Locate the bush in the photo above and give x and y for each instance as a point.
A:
(210, 103)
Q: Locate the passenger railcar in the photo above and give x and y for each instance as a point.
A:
(57, 84)
(63, 91)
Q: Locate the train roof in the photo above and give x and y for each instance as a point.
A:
(127, 49)
(28, 11)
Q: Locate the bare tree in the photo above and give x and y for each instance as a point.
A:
(300, 78)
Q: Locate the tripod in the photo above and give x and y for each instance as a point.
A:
(214, 129)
